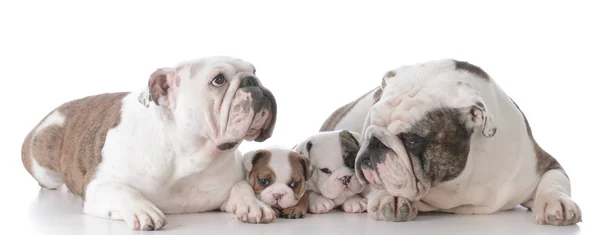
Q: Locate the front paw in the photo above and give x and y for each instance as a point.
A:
(355, 204)
(319, 204)
(389, 208)
(252, 210)
(141, 215)
(294, 212)
(558, 210)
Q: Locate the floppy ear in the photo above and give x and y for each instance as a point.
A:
(307, 167)
(251, 157)
(160, 85)
(350, 146)
(479, 115)
(303, 148)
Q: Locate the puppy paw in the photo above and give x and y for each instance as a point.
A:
(389, 208)
(558, 210)
(294, 212)
(319, 204)
(252, 210)
(355, 204)
(141, 215)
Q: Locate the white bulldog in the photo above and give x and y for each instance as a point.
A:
(167, 150)
(334, 183)
(443, 136)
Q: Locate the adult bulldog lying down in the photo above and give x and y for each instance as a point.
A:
(169, 149)
(443, 136)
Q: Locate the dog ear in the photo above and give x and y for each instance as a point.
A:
(479, 115)
(307, 167)
(251, 157)
(160, 84)
(303, 148)
(350, 146)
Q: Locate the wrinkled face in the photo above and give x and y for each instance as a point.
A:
(219, 97)
(278, 176)
(418, 135)
(333, 155)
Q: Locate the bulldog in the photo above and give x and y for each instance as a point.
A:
(333, 153)
(443, 136)
(278, 177)
(169, 149)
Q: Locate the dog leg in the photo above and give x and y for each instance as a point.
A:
(319, 204)
(355, 204)
(383, 206)
(246, 207)
(552, 203)
(121, 202)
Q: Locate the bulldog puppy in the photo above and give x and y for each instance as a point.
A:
(333, 153)
(170, 149)
(278, 177)
(443, 136)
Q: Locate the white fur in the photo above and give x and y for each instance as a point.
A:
(158, 162)
(496, 177)
(46, 177)
(327, 190)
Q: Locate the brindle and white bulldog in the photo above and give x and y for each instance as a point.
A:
(443, 136)
(167, 150)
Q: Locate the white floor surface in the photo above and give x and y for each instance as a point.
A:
(40, 211)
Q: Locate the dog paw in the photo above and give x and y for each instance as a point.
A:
(252, 210)
(389, 208)
(294, 212)
(141, 215)
(558, 210)
(319, 204)
(355, 204)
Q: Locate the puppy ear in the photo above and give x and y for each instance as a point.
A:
(303, 148)
(144, 97)
(307, 167)
(160, 86)
(350, 146)
(251, 157)
(479, 115)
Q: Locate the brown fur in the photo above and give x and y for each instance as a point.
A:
(300, 172)
(74, 149)
(545, 161)
(297, 211)
(261, 169)
(338, 114)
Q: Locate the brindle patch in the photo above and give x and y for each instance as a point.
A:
(301, 172)
(545, 161)
(74, 149)
(338, 114)
(463, 65)
(261, 169)
(438, 145)
(350, 148)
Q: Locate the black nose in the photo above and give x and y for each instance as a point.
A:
(346, 179)
(375, 143)
(249, 81)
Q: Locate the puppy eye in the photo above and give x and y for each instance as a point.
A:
(263, 181)
(325, 170)
(294, 184)
(219, 80)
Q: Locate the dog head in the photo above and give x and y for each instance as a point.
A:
(420, 132)
(333, 155)
(278, 176)
(219, 97)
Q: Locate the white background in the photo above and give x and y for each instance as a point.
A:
(314, 55)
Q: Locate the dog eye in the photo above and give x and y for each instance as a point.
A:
(325, 170)
(263, 181)
(294, 184)
(219, 80)
(412, 142)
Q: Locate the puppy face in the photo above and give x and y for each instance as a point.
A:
(333, 155)
(219, 97)
(419, 133)
(278, 176)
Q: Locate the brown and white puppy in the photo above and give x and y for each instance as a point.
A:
(279, 179)
(169, 149)
(334, 182)
(443, 136)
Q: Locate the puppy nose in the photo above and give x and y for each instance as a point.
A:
(346, 179)
(249, 81)
(277, 196)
